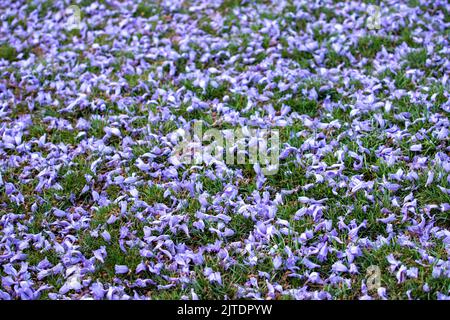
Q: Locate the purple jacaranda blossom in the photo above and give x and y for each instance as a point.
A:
(314, 277)
(401, 274)
(98, 290)
(105, 235)
(212, 276)
(416, 147)
(391, 186)
(112, 219)
(277, 262)
(121, 269)
(194, 295)
(382, 293)
(430, 177)
(59, 213)
(437, 271)
(4, 295)
(73, 280)
(441, 296)
(100, 254)
(309, 264)
(339, 267)
(412, 272)
(393, 262)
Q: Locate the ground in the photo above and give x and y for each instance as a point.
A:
(92, 205)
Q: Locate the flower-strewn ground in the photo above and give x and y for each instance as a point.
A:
(91, 206)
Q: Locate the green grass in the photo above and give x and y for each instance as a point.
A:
(369, 46)
(295, 171)
(8, 52)
(303, 58)
(146, 10)
(417, 59)
(334, 59)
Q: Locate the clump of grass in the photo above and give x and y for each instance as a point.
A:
(304, 106)
(8, 52)
(145, 10)
(417, 59)
(228, 5)
(402, 81)
(334, 59)
(369, 46)
(303, 58)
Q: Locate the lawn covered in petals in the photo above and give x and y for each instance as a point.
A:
(92, 207)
